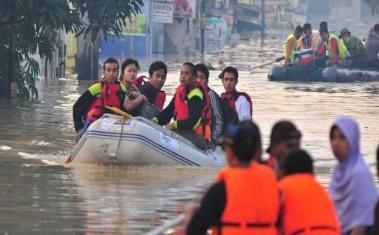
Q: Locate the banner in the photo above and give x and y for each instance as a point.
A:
(162, 11)
(137, 24)
(213, 34)
(185, 8)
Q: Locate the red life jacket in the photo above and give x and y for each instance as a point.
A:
(160, 99)
(182, 112)
(231, 97)
(110, 96)
(139, 81)
(161, 96)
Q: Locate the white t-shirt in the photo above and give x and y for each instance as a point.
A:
(243, 108)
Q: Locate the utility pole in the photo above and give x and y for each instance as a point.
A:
(149, 36)
(202, 30)
(12, 50)
(263, 16)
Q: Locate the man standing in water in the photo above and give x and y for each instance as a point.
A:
(237, 106)
(284, 138)
(91, 104)
(233, 205)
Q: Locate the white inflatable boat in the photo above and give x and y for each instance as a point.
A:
(137, 141)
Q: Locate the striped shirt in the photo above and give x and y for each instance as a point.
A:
(217, 116)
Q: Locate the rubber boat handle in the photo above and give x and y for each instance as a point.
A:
(119, 112)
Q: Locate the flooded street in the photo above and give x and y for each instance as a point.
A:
(40, 194)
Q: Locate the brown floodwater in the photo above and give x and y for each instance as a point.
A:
(40, 194)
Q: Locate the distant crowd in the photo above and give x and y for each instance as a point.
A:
(345, 50)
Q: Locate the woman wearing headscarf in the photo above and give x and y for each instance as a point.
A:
(352, 187)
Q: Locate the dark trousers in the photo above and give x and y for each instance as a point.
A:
(197, 140)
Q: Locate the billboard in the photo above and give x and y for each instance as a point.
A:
(185, 8)
(213, 34)
(162, 11)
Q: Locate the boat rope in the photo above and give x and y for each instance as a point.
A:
(119, 140)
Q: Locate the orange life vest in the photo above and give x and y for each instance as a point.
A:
(252, 201)
(231, 97)
(307, 208)
(110, 96)
(182, 112)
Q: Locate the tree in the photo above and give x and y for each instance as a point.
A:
(30, 26)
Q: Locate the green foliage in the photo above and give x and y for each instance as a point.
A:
(36, 23)
(106, 16)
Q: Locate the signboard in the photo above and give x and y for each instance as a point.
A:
(213, 34)
(162, 11)
(185, 8)
(136, 25)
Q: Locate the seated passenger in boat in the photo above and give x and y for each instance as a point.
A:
(216, 107)
(134, 98)
(372, 47)
(152, 89)
(237, 106)
(107, 92)
(306, 41)
(335, 47)
(357, 52)
(190, 108)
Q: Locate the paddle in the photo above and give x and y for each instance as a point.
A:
(268, 63)
(159, 230)
(119, 112)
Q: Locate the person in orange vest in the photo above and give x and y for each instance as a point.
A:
(245, 197)
(91, 104)
(216, 108)
(292, 46)
(305, 41)
(284, 138)
(190, 108)
(306, 206)
(237, 106)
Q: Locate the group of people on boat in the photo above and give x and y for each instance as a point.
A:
(250, 195)
(196, 111)
(329, 49)
(282, 195)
